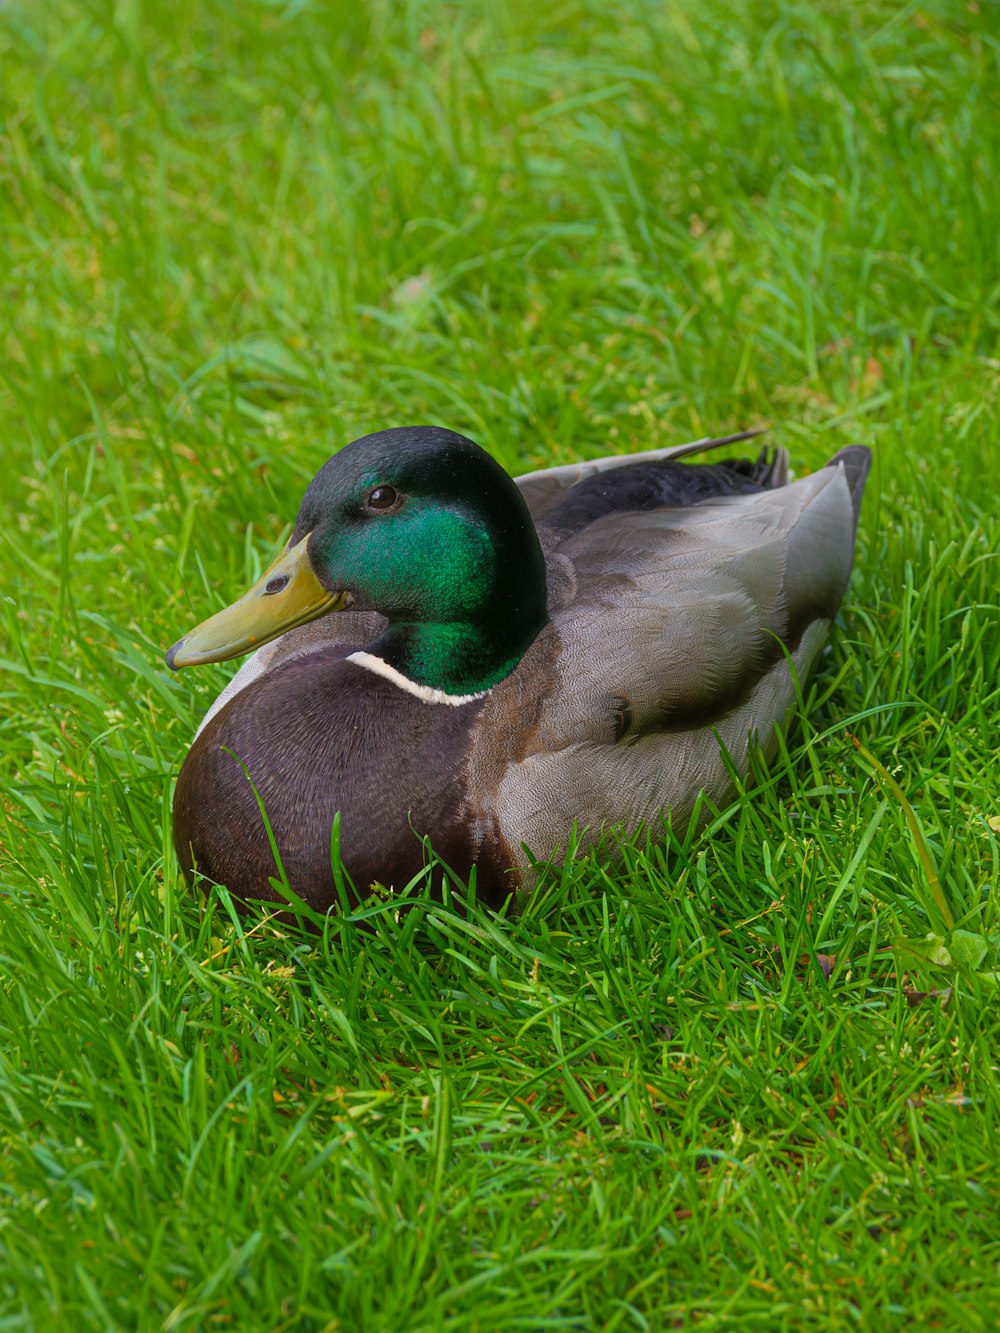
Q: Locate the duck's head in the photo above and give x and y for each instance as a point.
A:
(421, 525)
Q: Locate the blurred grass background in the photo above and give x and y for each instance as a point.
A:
(234, 238)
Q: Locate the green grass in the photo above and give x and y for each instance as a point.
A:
(235, 237)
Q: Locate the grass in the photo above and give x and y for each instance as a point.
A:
(699, 1088)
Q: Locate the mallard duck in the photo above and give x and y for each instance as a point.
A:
(490, 662)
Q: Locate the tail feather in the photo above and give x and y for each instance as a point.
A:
(857, 461)
(770, 468)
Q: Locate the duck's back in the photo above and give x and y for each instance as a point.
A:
(674, 627)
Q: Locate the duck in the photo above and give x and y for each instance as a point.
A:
(506, 670)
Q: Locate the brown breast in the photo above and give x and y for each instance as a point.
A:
(320, 735)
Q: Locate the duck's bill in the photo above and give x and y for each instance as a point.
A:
(288, 594)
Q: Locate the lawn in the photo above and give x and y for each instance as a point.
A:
(701, 1088)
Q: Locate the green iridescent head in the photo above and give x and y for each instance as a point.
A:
(419, 524)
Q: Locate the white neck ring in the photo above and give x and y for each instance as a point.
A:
(427, 694)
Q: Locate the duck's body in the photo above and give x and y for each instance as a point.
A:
(681, 602)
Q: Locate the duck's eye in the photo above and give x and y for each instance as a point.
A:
(383, 498)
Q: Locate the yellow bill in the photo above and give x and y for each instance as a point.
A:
(286, 595)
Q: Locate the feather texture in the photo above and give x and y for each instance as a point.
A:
(685, 601)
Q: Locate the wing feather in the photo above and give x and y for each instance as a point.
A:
(690, 616)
